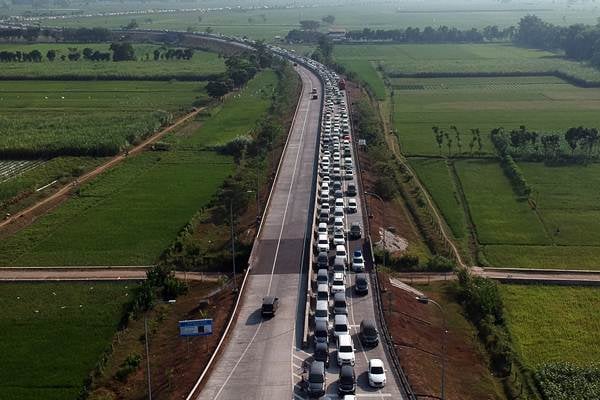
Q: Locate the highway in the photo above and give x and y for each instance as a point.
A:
(257, 360)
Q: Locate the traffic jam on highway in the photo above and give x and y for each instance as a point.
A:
(343, 360)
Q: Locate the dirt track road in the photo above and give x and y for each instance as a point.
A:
(30, 214)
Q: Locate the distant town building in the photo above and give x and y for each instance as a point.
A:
(337, 34)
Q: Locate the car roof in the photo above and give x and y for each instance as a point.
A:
(375, 362)
(344, 339)
(317, 367)
(322, 287)
(340, 319)
(322, 271)
(269, 299)
(339, 296)
(320, 325)
(338, 275)
(322, 346)
(347, 370)
(361, 276)
(322, 304)
(368, 323)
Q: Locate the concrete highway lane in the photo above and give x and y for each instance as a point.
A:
(257, 362)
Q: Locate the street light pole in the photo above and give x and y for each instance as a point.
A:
(427, 300)
(383, 214)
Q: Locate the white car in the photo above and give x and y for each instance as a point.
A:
(338, 284)
(339, 237)
(349, 174)
(352, 205)
(349, 397)
(338, 223)
(323, 243)
(322, 228)
(345, 350)
(338, 212)
(376, 373)
(358, 262)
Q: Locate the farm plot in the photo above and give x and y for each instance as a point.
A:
(266, 23)
(567, 202)
(551, 323)
(543, 104)
(130, 214)
(202, 65)
(52, 334)
(45, 119)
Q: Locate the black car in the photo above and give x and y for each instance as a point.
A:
(368, 333)
(322, 353)
(270, 305)
(322, 260)
(361, 286)
(351, 189)
(347, 381)
(315, 386)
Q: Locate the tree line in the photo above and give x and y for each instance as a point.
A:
(574, 145)
(429, 34)
(85, 35)
(454, 137)
(120, 52)
(579, 42)
(240, 69)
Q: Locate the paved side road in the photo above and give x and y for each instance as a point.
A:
(133, 273)
(256, 362)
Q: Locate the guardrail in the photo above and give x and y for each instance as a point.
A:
(388, 343)
(250, 263)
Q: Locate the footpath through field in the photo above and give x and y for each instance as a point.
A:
(29, 215)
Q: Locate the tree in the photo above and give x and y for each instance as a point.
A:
(208, 30)
(310, 25)
(326, 47)
(51, 55)
(156, 54)
(217, 89)
(87, 53)
(35, 56)
(328, 19)
(122, 51)
(439, 137)
(131, 25)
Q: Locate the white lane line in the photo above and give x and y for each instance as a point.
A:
(289, 195)
(238, 361)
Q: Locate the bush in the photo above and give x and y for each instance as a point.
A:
(440, 264)
(130, 364)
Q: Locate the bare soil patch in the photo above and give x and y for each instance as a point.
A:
(417, 334)
(175, 362)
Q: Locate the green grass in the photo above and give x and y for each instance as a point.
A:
(40, 118)
(553, 323)
(500, 217)
(543, 104)
(130, 214)
(203, 63)
(278, 21)
(367, 73)
(435, 175)
(52, 334)
(545, 257)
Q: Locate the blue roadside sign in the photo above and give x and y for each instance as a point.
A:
(195, 327)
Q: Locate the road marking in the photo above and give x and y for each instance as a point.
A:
(289, 195)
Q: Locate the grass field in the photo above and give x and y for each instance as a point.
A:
(440, 185)
(41, 118)
(203, 63)
(462, 58)
(130, 214)
(52, 334)
(545, 104)
(267, 23)
(552, 323)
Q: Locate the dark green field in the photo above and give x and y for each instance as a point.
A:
(52, 335)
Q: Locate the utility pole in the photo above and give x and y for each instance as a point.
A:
(232, 244)
(147, 355)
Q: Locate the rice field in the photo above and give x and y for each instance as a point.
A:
(49, 118)
(131, 214)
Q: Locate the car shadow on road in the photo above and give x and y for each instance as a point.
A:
(255, 318)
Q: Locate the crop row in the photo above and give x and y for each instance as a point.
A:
(12, 168)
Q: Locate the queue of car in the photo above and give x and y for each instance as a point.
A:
(334, 260)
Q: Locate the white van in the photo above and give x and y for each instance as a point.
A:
(322, 311)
